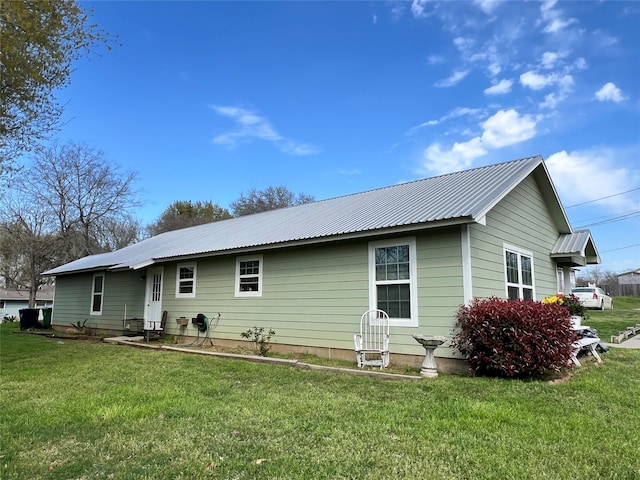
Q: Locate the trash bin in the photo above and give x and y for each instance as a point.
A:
(28, 318)
(46, 317)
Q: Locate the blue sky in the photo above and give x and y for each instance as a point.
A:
(206, 100)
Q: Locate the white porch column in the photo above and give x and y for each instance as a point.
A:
(566, 280)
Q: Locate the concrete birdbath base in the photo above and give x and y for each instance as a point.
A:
(430, 343)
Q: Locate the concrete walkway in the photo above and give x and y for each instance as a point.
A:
(633, 342)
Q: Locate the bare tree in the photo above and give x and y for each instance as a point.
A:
(83, 192)
(69, 203)
(271, 198)
(26, 249)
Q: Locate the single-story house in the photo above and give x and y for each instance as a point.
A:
(418, 250)
(12, 300)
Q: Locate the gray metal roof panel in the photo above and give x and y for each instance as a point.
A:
(465, 195)
(572, 243)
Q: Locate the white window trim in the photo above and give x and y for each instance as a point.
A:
(257, 293)
(93, 293)
(413, 280)
(192, 294)
(520, 252)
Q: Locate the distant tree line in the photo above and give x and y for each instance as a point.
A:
(185, 213)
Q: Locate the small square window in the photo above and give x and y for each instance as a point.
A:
(186, 281)
(249, 276)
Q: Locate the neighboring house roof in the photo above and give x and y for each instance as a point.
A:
(575, 249)
(631, 273)
(44, 294)
(456, 198)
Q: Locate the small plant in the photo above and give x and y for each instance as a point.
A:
(10, 319)
(518, 338)
(80, 326)
(260, 340)
(570, 302)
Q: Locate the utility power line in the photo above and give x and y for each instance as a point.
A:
(602, 198)
(621, 248)
(635, 213)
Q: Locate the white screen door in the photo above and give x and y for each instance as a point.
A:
(153, 299)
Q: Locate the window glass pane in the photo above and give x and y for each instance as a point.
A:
(186, 286)
(514, 293)
(392, 272)
(527, 293)
(395, 300)
(526, 270)
(403, 271)
(249, 284)
(381, 272)
(392, 263)
(97, 284)
(186, 272)
(511, 260)
(251, 267)
(97, 303)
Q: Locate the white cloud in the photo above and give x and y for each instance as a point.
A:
(609, 92)
(464, 45)
(505, 127)
(500, 88)
(460, 157)
(455, 113)
(453, 79)
(587, 175)
(536, 81)
(553, 17)
(549, 59)
(418, 8)
(551, 101)
(250, 126)
(487, 6)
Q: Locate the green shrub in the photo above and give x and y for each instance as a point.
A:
(518, 338)
(260, 340)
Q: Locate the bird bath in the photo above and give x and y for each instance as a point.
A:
(430, 343)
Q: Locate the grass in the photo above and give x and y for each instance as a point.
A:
(86, 410)
(625, 313)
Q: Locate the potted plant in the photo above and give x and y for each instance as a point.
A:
(571, 303)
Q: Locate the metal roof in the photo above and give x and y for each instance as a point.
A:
(576, 244)
(44, 293)
(460, 197)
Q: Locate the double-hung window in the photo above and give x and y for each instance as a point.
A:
(519, 273)
(186, 280)
(249, 276)
(392, 280)
(97, 294)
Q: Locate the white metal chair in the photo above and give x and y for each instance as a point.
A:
(373, 339)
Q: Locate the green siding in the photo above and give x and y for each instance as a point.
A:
(521, 219)
(72, 303)
(315, 296)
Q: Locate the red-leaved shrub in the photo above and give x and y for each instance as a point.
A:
(518, 338)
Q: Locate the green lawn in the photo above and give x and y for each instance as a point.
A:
(88, 410)
(625, 313)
